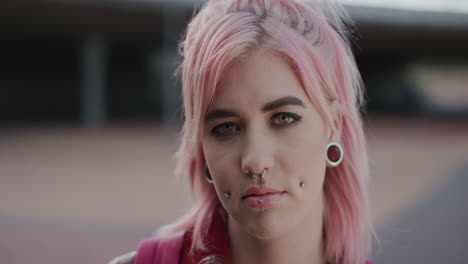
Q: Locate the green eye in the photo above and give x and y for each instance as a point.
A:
(284, 119)
(228, 127)
(224, 129)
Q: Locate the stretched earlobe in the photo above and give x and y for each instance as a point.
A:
(335, 154)
(208, 175)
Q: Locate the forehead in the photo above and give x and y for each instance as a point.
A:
(258, 77)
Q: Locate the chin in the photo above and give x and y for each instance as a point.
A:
(266, 227)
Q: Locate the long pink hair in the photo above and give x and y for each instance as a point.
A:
(313, 39)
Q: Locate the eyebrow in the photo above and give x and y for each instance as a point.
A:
(220, 113)
(283, 101)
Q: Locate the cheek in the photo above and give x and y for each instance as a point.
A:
(308, 162)
(305, 155)
(305, 162)
(220, 162)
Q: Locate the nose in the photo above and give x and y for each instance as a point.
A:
(256, 154)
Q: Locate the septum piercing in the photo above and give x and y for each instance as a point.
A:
(261, 175)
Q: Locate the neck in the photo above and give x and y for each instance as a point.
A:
(302, 245)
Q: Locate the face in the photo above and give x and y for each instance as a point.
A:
(262, 119)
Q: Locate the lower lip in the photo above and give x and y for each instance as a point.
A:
(263, 201)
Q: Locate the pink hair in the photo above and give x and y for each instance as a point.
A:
(313, 40)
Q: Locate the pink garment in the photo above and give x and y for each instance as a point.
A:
(164, 251)
(167, 251)
(157, 251)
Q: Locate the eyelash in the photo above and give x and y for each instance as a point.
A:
(295, 118)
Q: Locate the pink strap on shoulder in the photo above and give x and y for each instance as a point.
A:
(160, 250)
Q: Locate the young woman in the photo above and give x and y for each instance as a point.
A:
(272, 143)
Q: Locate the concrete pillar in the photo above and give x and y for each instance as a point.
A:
(93, 81)
(173, 25)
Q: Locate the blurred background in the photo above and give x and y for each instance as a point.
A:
(90, 111)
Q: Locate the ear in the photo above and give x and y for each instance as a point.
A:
(337, 122)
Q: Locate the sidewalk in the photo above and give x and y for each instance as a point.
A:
(82, 196)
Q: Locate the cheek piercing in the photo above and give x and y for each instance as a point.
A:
(302, 185)
(227, 195)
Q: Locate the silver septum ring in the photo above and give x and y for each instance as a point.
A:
(263, 173)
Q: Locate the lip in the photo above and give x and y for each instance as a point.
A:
(259, 191)
(262, 197)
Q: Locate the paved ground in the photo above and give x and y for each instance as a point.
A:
(433, 231)
(71, 195)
